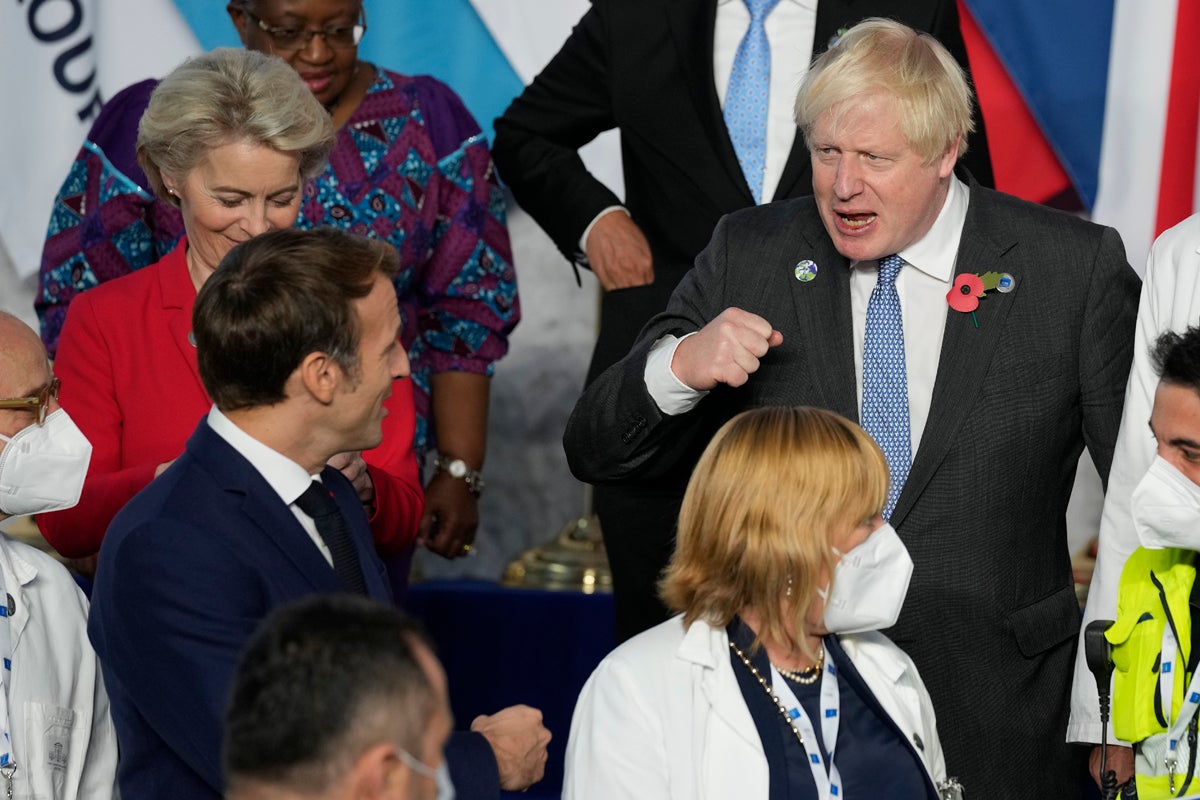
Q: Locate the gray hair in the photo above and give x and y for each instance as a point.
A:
(927, 85)
(230, 95)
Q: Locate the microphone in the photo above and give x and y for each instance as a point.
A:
(1098, 654)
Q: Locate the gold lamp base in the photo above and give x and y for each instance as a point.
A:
(574, 561)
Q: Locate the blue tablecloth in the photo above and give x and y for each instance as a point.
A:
(503, 646)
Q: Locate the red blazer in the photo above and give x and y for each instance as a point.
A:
(131, 383)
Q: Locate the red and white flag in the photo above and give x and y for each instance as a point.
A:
(1148, 157)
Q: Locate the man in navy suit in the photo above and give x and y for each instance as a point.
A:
(296, 337)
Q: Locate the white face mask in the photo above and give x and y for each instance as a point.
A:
(1166, 508)
(440, 774)
(869, 584)
(43, 466)
(445, 788)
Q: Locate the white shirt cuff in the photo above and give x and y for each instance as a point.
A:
(672, 396)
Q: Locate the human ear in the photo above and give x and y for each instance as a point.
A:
(320, 375)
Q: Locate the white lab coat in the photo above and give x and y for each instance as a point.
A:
(1170, 301)
(663, 717)
(63, 740)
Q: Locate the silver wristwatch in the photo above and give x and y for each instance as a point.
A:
(457, 468)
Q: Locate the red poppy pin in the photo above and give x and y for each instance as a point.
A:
(969, 288)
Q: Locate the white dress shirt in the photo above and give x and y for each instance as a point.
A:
(286, 477)
(790, 28)
(922, 284)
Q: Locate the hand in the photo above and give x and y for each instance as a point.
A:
(1120, 761)
(451, 516)
(352, 466)
(161, 468)
(86, 566)
(618, 252)
(518, 739)
(726, 350)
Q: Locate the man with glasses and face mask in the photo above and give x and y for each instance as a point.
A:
(337, 697)
(58, 738)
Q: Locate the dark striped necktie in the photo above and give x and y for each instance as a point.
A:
(319, 504)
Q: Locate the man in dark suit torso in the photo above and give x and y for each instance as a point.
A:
(647, 68)
(296, 338)
(1000, 398)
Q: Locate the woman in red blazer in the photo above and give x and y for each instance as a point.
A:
(230, 139)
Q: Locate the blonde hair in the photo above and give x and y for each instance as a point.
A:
(230, 95)
(928, 87)
(763, 506)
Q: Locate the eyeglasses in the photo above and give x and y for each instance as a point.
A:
(38, 403)
(290, 38)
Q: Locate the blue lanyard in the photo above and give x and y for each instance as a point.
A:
(1191, 701)
(827, 779)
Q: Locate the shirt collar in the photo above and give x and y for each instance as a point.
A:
(936, 252)
(286, 477)
(743, 2)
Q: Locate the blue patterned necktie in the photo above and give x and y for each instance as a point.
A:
(746, 98)
(885, 382)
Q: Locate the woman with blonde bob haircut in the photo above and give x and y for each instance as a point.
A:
(773, 680)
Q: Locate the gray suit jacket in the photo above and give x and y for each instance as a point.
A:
(991, 615)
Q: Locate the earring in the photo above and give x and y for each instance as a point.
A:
(789, 586)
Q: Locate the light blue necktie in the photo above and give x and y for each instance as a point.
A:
(746, 98)
(885, 382)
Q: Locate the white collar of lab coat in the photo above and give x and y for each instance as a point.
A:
(707, 648)
(17, 573)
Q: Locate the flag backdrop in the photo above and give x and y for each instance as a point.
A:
(60, 59)
(1111, 87)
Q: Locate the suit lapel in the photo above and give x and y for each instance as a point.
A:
(281, 527)
(277, 525)
(823, 319)
(796, 180)
(691, 23)
(832, 16)
(796, 171)
(178, 298)
(706, 649)
(967, 350)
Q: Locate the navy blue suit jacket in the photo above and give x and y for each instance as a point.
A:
(187, 570)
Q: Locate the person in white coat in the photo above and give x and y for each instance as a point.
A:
(56, 737)
(1170, 301)
(773, 680)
